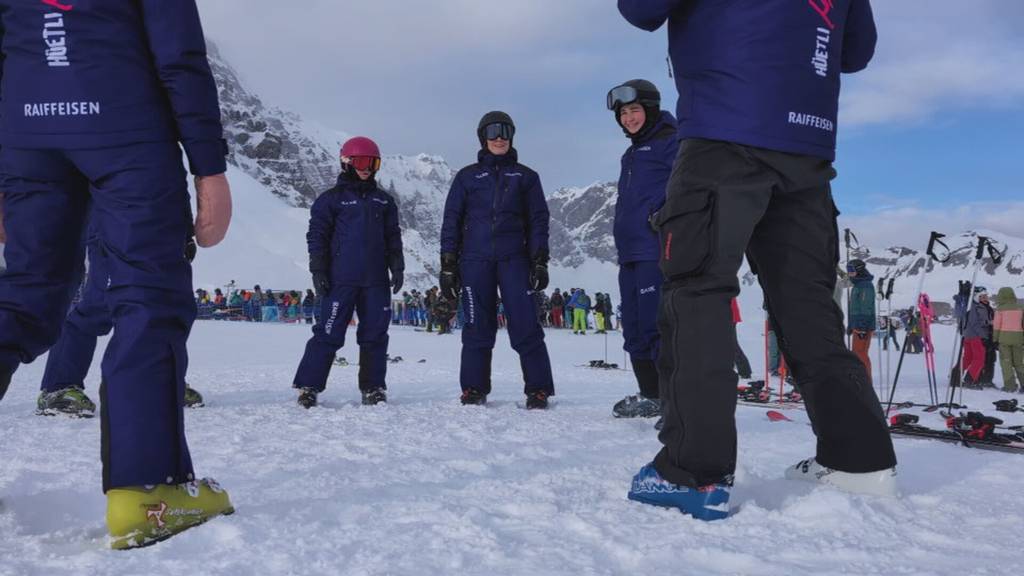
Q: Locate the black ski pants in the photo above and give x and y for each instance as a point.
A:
(725, 200)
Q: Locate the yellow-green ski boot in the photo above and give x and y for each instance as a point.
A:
(70, 401)
(140, 516)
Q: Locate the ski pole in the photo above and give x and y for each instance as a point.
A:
(767, 360)
(890, 330)
(878, 334)
(956, 364)
(899, 366)
(848, 235)
(930, 257)
(984, 245)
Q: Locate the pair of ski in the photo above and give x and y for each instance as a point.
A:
(757, 394)
(973, 430)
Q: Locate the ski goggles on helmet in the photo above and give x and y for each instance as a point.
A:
(498, 131)
(364, 163)
(622, 95)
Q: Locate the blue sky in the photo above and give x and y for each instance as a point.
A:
(934, 122)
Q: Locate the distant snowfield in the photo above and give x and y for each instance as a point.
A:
(426, 486)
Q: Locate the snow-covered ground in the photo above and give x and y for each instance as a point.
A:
(425, 486)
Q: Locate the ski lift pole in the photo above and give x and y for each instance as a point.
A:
(933, 240)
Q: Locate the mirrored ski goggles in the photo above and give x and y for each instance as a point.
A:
(363, 163)
(622, 95)
(499, 131)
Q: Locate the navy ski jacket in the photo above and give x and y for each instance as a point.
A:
(762, 73)
(646, 167)
(354, 227)
(83, 74)
(495, 211)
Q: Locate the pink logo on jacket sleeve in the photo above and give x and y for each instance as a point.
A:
(824, 8)
(56, 4)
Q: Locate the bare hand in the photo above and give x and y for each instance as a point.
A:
(213, 216)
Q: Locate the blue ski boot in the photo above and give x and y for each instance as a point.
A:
(709, 502)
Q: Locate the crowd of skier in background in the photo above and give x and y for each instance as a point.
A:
(426, 309)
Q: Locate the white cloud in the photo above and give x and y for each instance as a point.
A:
(417, 75)
(938, 56)
(911, 226)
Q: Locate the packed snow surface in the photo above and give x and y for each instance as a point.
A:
(426, 486)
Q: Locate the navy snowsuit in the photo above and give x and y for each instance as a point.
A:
(736, 76)
(496, 219)
(646, 167)
(86, 119)
(354, 227)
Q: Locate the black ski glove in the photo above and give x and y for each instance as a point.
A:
(397, 268)
(539, 271)
(652, 221)
(190, 249)
(321, 276)
(450, 276)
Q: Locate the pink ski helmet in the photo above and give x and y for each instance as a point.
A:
(360, 153)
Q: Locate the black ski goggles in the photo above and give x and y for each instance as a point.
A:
(499, 131)
(622, 95)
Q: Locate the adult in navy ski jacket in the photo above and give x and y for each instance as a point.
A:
(758, 85)
(495, 235)
(646, 167)
(95, 98)
(355, 252)
(740, 81)
(496, 211)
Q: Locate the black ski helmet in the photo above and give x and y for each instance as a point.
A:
(647, 95)
(493, 117)
(858, 266)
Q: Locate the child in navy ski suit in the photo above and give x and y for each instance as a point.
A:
(355, 243)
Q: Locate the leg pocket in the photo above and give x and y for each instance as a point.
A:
(687, 227)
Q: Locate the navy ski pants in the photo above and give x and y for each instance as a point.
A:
(480, 283)
(70, 358)
(373, 305)
(140, 208)
(640, 287)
